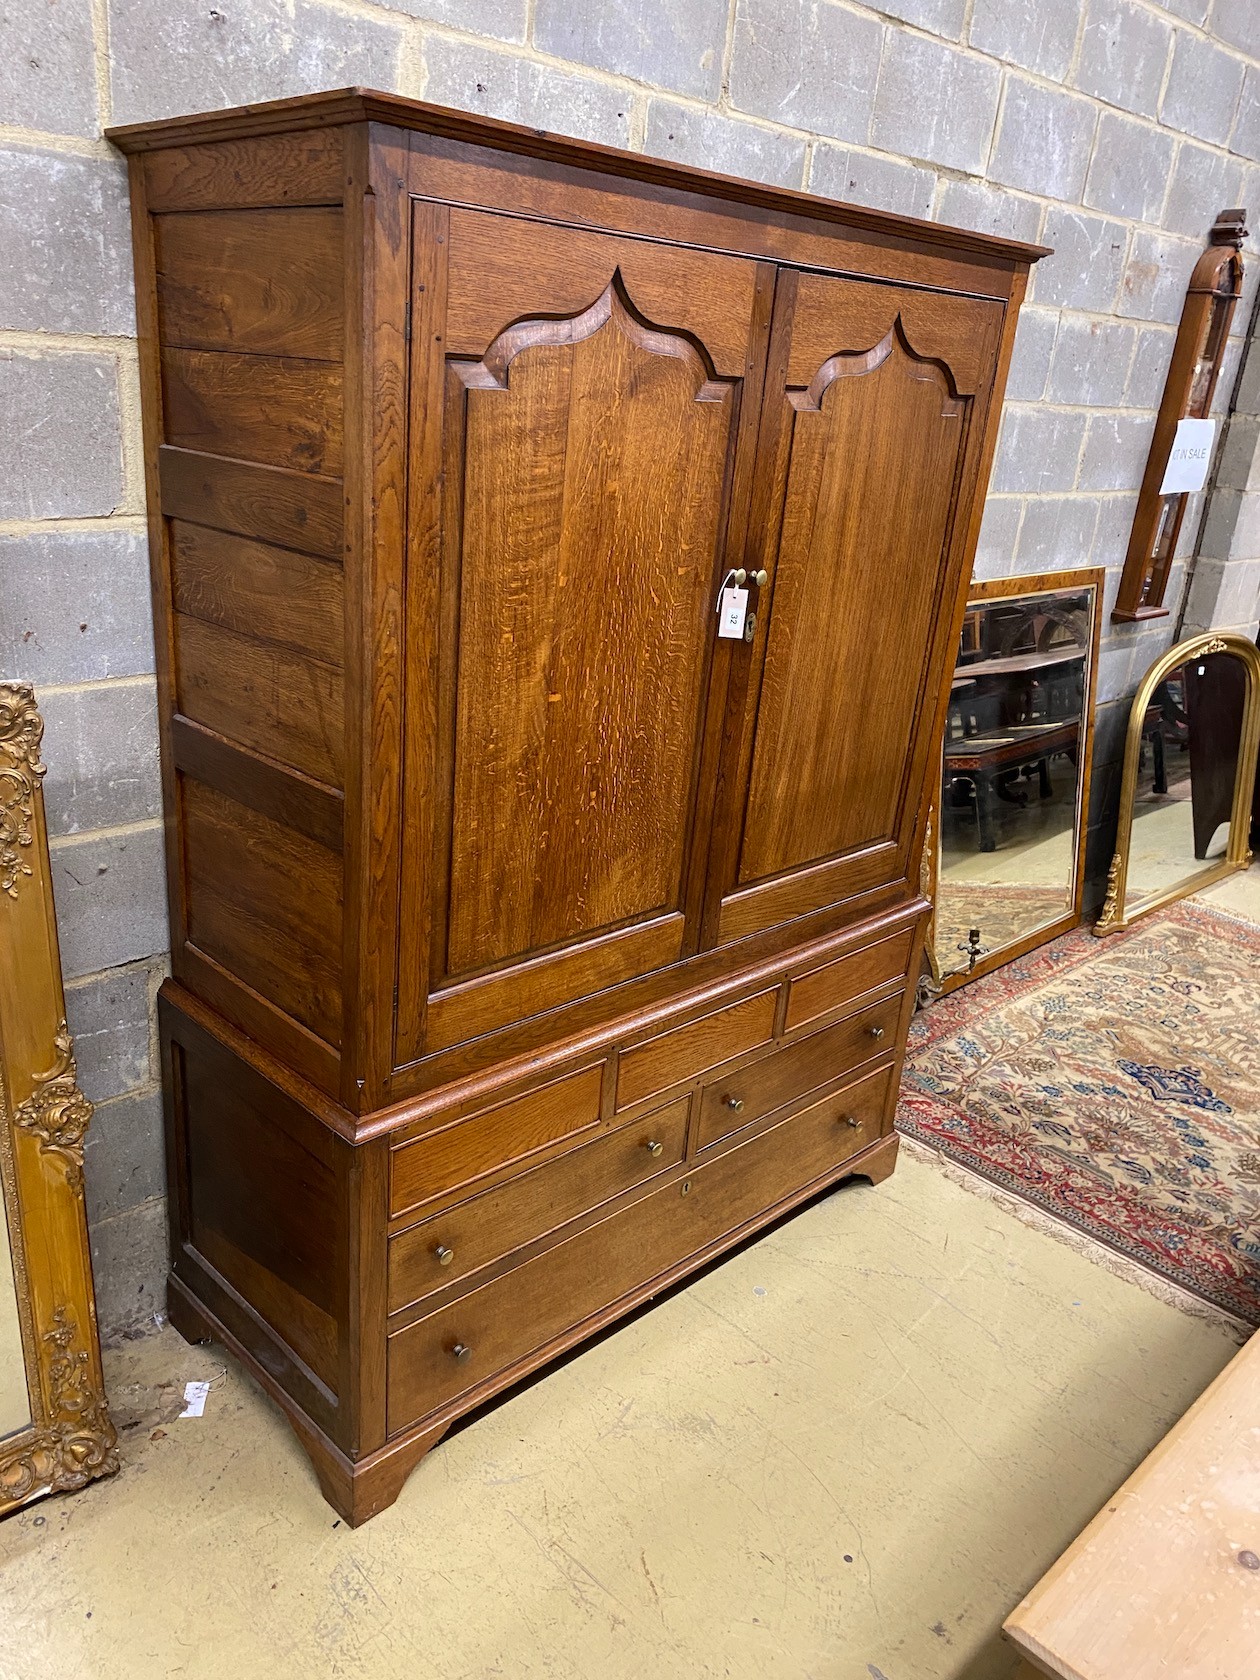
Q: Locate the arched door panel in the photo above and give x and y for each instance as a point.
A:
(867, 470)
(582, 444)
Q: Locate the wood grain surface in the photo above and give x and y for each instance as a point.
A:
(1166, 1579)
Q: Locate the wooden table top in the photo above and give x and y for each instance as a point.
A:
(1164, 1584)
(1010, 746)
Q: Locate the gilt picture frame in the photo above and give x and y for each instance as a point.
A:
(69, 1439)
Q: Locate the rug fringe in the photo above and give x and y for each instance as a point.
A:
(1037, 1219)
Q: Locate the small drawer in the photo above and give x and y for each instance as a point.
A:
(739, 1099)
(686, 1051)
(857, 1115)
(511, 1131)
(463, 1239)
(601, 1270)
(849, 978)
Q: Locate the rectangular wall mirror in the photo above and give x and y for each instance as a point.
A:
(1010, 816)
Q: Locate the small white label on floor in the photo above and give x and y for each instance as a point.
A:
(195, 1398)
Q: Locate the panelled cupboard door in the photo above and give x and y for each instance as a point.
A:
(870, 445)
(582, 445)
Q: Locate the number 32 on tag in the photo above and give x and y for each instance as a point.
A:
(731, 613)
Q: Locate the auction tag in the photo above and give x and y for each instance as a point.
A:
(1189, 458)
(731, 611)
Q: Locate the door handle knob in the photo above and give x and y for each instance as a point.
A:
(760, 578)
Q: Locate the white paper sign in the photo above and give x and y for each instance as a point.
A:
(731, 611)
(1190, 458)
(195, 1399)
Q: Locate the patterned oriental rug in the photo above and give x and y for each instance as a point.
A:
(1116, 1084)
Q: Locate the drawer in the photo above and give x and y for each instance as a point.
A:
(739, 1099)
(683, 1052)
(511, 1131)
(488, 1331)
(837, 983)
(477, 1232)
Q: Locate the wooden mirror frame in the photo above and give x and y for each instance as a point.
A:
(1114, 916)
(43, 1120)
(1211, 297)
(982, 593)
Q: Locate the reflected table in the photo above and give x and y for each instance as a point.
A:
(986, 760)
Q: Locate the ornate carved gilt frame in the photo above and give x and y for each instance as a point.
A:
(1238, 852)
(1071, 581)
(43, 1119)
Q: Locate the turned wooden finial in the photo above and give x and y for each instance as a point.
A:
(1229, 228)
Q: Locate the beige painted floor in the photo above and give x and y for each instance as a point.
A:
(1238, 893)
(844, 1455)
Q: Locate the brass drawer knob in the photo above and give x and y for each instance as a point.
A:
(461, 1352)
(735, 1103)
(852, 1120)
(443, 1255)
(760, 579)
(654, 1146)
(876, 1032)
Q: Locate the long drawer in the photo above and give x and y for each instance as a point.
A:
(486, 1332)
(551, 1117)
(462, 1239)
(819, 991)
(733, 1101)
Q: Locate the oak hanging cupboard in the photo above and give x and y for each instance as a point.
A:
(558, 562)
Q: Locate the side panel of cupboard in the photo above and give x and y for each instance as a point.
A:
(870, 454)
(584, 414)
(242, 311)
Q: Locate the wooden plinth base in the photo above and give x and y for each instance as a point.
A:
(360, 1488)
(356, 1489)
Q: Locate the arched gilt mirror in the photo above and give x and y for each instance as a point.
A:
(1189, 776)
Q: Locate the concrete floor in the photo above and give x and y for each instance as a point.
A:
(843, 1454)
(1239, 894)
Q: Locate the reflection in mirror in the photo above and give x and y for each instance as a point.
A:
(1185, 810)
(15, 1404)
(1014, 771)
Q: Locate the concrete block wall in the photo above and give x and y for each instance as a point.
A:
(1225, 585)
(1113, 130)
